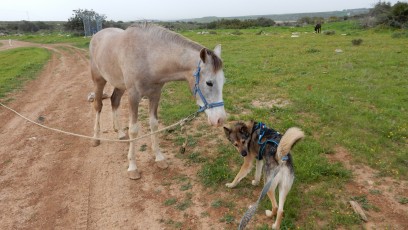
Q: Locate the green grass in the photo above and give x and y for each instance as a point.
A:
(356, 99)
(20, 65)
(78, 41)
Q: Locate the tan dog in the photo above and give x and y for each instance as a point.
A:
(255, 141)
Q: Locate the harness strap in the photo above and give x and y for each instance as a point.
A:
(263, 128)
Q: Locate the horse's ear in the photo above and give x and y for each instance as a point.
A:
(217, 50)
(203, 54)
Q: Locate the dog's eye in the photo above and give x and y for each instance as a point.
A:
(236, 144)
(243, 141)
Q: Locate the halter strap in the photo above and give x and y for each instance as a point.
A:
(198, 90)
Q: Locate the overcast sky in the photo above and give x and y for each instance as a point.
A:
(128, 10)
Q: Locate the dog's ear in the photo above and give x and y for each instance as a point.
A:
(244, 130)
(227, 131)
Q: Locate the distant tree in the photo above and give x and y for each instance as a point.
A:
(118, 24)
(381, 8)
(305, 20)
(385, 14)
(44, 26)
(12, 26)
(381, 12)
(400, 12)
(316, 20)
(265, 22)
(27, 26)
(333, 19)
(75, 23)
(309, 20)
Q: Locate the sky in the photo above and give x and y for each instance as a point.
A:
(130, 10)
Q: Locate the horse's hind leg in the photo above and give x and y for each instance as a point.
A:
(154, 125)
(134, 99)
(115, 102)
(99, 84)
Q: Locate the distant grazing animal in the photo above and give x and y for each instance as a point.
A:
(141, 59)
(318, 28)
(255, 141)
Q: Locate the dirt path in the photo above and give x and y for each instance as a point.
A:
(53, 181)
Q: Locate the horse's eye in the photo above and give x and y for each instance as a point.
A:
(209, 83)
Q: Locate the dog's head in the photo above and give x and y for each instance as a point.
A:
(239, 135)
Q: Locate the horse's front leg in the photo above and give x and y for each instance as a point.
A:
(154, 125)
(134, 100)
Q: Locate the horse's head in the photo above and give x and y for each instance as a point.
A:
(209, 83)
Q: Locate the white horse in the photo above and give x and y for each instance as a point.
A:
(141, 59)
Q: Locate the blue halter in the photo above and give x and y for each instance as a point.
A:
(197, 90)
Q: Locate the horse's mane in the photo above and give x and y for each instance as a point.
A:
(168, 35)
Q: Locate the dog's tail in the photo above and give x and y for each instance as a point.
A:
(288, 140)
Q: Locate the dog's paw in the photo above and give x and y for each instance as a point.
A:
(274, 226)
(255, 183)
(230, 185)
(268, 213)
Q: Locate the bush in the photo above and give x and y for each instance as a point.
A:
(236, 32)
(400, 35)
(357, 42)
(329, 32)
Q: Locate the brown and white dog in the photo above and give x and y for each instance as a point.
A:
(255, 141)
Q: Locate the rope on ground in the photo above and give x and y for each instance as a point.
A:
(181, 123)
(252, 209)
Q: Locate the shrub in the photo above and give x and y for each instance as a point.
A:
(357, 42)
(400, 35)
(236, 32)
(329, 32)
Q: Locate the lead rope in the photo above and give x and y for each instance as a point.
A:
(252, 208)
(182, 122)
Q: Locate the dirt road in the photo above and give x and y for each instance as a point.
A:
(53, 181)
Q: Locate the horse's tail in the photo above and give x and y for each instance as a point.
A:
(252, 209)
(289, 139)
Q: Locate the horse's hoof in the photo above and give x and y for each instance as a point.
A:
(134, 175)
(122, 136)
(162, 164)
(96, 143)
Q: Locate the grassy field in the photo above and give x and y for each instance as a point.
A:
(340, 94)
(78, 41)
(355, 98)
(19, 65)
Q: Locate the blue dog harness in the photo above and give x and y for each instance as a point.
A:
(197, 90)
(262, 130)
